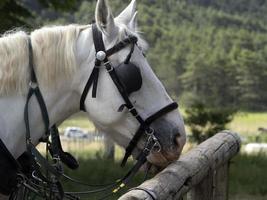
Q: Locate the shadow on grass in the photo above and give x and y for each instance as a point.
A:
(248, 177)
(99, 171)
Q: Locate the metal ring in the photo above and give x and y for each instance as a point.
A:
(33, 85)
(35, 177)
(106, 63)
(111, 69)
(150, 131)
(157, 147)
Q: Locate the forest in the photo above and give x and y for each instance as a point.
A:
(211, 51)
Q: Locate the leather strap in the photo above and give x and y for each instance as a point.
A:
(93, 78)
(132, 144)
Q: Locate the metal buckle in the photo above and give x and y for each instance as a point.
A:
(146, 150)
(36, 177)
(151, 137)
(106, 63)
(33, 85)
(156, 147)
(111, 67)
(133, 108)
(56, 159)
(20, 178)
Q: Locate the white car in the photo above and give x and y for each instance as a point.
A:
(75, 132)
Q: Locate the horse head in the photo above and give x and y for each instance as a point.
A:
(105, 109)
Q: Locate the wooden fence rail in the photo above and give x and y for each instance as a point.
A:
(202, 173)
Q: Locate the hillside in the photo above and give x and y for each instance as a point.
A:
(209, 50)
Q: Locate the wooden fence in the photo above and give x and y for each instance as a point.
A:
(200, 174)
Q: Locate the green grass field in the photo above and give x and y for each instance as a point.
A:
(247, 173)
(247, 176)
(244, 123)
(248, 123)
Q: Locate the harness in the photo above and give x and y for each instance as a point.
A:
(43, 178)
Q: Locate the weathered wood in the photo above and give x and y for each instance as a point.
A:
(213, 187)
(203, 190)
(179, 177)
(221, 183)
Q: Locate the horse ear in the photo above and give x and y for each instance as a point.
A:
(127, 14)
(104, 18)
(133, 23)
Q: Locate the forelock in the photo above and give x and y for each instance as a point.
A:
(124, 31)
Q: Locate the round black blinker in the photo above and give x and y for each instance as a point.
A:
(130, 77)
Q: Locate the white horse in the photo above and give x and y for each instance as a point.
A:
(63, 60)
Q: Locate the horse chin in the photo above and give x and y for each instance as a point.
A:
(156, 162)
(158, 159)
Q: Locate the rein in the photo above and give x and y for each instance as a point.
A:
(44, 178)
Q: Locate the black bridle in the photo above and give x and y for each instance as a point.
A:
(37, 179)
(102, 58)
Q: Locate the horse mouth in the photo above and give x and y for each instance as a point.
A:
(162, 159)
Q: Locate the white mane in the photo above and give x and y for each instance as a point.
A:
(53, 56)
(53, 52)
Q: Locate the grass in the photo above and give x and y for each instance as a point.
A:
(247, 124)
(96, 170)
(248, 177)
(80, 119)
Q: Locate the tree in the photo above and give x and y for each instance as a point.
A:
(13, 14)
(205, 121)
(16, 13)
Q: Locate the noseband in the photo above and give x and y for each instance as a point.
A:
(102, 56)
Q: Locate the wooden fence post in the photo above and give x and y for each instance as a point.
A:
(221, 181)
(203, 190)
(214, 186)
(204, 168)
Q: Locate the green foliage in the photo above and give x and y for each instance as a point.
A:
(214, 50)
(247, 176)
(61, 5)
(12, 14)
(204, 122)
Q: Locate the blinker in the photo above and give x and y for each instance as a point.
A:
(129, 76)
